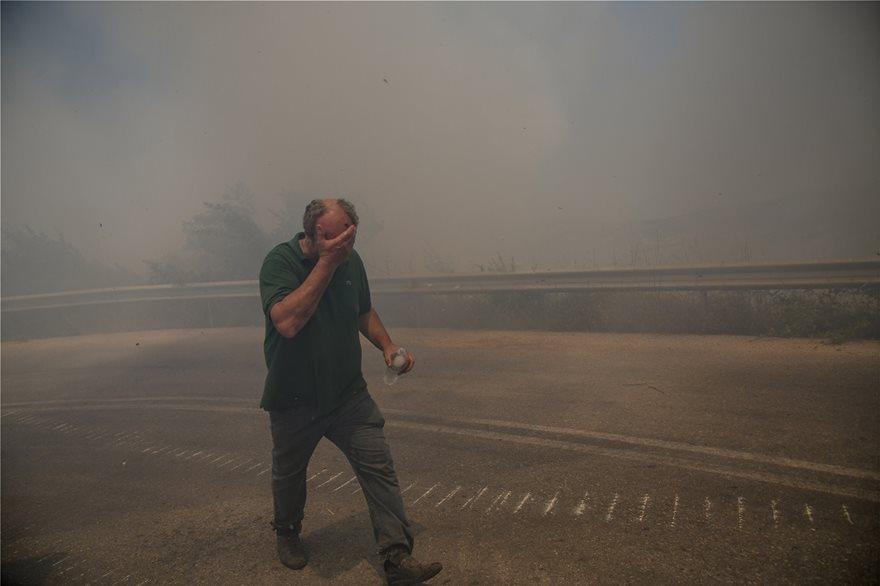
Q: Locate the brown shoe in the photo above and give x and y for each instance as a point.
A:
(291, 551)
(408, 571)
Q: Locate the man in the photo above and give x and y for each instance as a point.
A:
(316, 299)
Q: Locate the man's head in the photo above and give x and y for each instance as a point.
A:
(333, 215)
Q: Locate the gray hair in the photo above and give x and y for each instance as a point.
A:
(318, 207)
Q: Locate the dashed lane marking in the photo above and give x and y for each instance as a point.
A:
(610, 514)
(846, 516)
(240, 465)
(316, 474)
(346, 483)
(451, 494)
(231, 462)
(497, 498)
(644, 508)
(332, 478)
(674, 512)
(472, 501)
(455, 426)
(581, 507)
(550, 504)
(522, 502)
(426, 493)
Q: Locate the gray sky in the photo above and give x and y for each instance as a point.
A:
(467, 128)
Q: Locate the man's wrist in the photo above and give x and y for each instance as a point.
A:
(326, 263)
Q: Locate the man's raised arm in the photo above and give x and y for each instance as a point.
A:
(292, 313)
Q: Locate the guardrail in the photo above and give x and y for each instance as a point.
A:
(813, 275)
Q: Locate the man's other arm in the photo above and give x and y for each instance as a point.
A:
(373, 329)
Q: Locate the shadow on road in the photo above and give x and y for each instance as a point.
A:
(339, 547)
(32, 571)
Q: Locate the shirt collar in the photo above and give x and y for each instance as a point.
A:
(297, 249)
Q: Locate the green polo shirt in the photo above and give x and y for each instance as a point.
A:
(321, 365)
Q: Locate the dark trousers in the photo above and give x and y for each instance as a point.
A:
(356, 429)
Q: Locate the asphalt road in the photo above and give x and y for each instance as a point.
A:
(525, 458)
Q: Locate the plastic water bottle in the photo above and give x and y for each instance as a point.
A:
(397, 362)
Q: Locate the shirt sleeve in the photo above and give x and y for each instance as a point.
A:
(277, 280)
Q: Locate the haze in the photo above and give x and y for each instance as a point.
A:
(561, 135)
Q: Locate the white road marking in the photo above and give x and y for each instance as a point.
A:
(808, 512)
(222, 463)
(644, 508)
(194, 455)
(775, 510)
(648, 442)
(473, 500)
(61, 560)
(241, 464)
(495, 502)
(740, 509)
(610, 514)
(846, 514)
(357, 490)
(550, 504)
(504, 500)
(264, 471)
(218, 458)
(205, 457)
(407, 488)
(334, 477)
(522, 502)
(182, 452)
(257, 465)
(707, 508)
(347, 482)
(673, 461)
(426, 493)
(448, 496)
(70, 567)
(316, 474)
(582, 506)
(674, 512)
